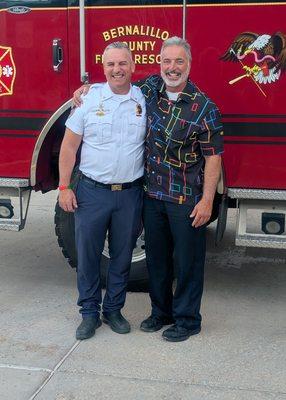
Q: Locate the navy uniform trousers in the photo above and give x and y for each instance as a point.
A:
(101, 210)
(174, 249)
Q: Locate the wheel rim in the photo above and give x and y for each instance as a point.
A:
(6, 211)
(138, 252)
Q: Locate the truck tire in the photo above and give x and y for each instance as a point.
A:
(64, 228)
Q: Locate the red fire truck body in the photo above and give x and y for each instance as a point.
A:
(48, 47)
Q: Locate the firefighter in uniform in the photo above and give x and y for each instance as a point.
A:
(111, 125)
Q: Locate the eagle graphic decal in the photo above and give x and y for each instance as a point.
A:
(262, 57)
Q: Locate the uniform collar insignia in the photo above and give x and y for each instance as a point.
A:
(138, 110)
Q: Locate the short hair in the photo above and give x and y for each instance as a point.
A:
(177, 41)
(117, 45)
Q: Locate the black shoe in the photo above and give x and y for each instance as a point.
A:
(87, 328)
(154, 323)
(178, 333)
(116, 321)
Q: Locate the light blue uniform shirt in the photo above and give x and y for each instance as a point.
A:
(113, 128)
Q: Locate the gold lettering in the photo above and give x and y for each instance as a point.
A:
(142, 31)
(98, 58)
(137, 58)
(128, 30)
(132, 45)
(147, 58)
(113, 33)
(106, 35)
(139, 46)
(152, 45)
(120, 31)
(135, 30)
(165, 35)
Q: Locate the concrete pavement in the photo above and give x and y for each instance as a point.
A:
(240, 353)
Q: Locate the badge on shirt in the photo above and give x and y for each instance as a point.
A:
(100, 112)
(138, 110)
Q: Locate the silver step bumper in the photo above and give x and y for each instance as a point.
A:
(17, 193)
(258, 201)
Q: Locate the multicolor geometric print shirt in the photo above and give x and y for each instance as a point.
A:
(179, 135)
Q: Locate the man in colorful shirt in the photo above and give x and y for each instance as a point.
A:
(182, 168)
(183, 163)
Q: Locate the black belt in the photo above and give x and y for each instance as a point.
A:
(114, 186)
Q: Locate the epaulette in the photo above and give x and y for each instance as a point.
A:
(92, 90)
(96, 86)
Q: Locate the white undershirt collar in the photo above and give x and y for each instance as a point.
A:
(173, 96)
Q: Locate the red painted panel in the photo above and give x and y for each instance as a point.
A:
(211, 31)
(15, 156)
(256, 165)
(144, 28)
(37, 87)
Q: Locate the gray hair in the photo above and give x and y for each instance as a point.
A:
(177, 41)
(117, 45)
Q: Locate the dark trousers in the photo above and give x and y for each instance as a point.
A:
(174, 249)
(101, 210)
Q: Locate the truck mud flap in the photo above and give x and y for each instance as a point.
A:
(221, 220)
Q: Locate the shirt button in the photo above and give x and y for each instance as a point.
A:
(159, 130)
(164, 117)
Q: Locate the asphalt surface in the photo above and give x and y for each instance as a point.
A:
(239, 355)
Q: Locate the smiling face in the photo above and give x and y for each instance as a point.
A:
(118, 68)
(175, 68)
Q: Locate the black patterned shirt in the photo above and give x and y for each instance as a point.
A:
(179, 135)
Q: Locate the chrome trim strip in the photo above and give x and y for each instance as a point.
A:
(83, 73)
(256, 194)
(14, 182)
(266, 241)
(184, 18)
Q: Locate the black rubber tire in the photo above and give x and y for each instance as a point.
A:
(64, 228)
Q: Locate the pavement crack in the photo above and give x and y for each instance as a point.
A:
(53, 371)
(25, 368)
(172, 381)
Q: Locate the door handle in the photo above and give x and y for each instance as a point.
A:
(57, 54)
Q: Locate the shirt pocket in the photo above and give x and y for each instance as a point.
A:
(185, 132)
(99, 128)
(136, 129)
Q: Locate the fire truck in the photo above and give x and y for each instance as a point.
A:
(49, 47)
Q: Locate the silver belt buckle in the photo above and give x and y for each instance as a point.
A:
(116, 187)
